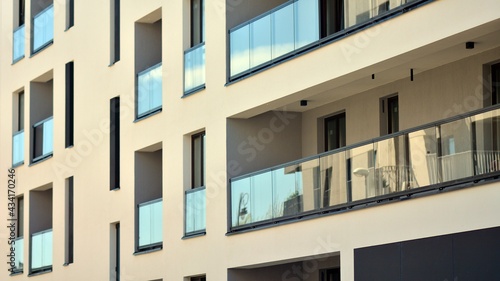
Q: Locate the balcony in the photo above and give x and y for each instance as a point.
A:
(462, 149)
(296, 26)
(19, 255)
(149, 90)
(41, 251)
(43, 136)
(194, 69)
(18, 44)
(195, 212)
(43, 28)
(150, 224)
(18, 148)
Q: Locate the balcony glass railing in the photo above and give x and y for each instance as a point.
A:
(150, 223)
(19, 254)
(149, 90)
(18, 44)
(18, 148)
(283, 32)
(195, 211)
(41, 250)
(464, 148)
(43, 28)
(194, 68)
(273, 34)
(43, 134)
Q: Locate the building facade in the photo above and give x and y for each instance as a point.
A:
(250, 140)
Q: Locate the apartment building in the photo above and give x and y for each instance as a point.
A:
(239, 140)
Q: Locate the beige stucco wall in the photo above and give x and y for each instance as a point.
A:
(218, 110)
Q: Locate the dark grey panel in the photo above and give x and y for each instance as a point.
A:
(377, 263)
(427, 259)
(477, 255)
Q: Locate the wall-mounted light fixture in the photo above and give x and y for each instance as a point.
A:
(303, 103)
(469, 45)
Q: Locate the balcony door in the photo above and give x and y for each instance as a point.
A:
(335, 132)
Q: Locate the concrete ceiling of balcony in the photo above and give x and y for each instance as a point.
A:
(439, 53)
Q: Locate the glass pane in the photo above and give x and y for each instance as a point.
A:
(423, 149)
(48, 136)
(357, 11)
(308, 184)
(36, 251)
(240, 197)
(195, 211)
(392, 173)
(333, 181)
(283, 31)
(150, 223)
(194, 63)
(456, 150)
(47, 249)
(19, 252)
(306, 22)
(487, 142)
(287, 192)
(18, 148)
(361, 178)
(149, 90)
(18, 44)
(43, 28)
(260, 41)
(261, 200)
(240, 50)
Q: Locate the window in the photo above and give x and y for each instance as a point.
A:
(115, 31)
(69, 104)
(18, 136)
(19, 35)
(114, 144)
(194, 57)
(495, 83)
(197, 22)
(69, 221)
(70, 13)
(19, 241)
(195, 198)
(329, 274)
(41, 118)
(148, 64)
(389, 108)
(198, 160)
(199, 278)
(114, 272)
(42, 24)
(331, 17)
(335, 132)
(148, 198)
(40, 228)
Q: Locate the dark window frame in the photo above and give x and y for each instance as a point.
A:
(197, 15)
(70, 104)
(341, 138)
(202, 136)
(114, 162)
(69, 221)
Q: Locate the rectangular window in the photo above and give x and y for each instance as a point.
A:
(335, 132)
(389, 117)
(21, 12)
(42, 25)
(18, 135)
(197, 22)
(198, 159)
(495, 83)
(331, 17)
(19, 249)
(114, 272)
(20, 111)
(329, 274)
(199, 278)
(114, 145)
(69, 221)
(70, 13)
(69, 104)
(115, 31)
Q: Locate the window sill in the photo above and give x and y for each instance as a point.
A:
(194, 91)
(19, 164)
(41, 48)
(148, 114)
(41, 159)
(16, 60)
(149, 250)
(15, 273)
(41, 271)
(194, 235)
